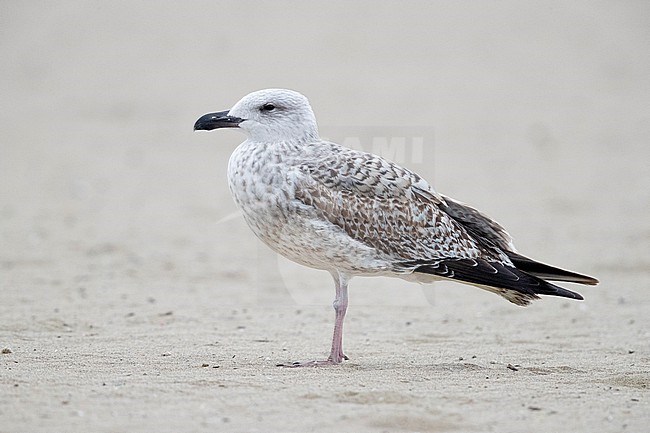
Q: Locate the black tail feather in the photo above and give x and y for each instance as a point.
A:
(514, 284)
(548, 272)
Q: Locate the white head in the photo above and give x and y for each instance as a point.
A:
(267, 115)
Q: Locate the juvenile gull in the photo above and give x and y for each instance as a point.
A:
(354, 213)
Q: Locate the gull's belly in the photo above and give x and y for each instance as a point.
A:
(278, 222)
(259, 189)
(263, 192)
(292, 229)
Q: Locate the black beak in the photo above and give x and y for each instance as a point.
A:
(217, 120)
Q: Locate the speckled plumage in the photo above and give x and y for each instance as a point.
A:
(331, 207)
(353, 213)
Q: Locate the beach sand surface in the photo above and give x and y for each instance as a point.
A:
(134, 298)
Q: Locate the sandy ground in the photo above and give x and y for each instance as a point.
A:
(132, 297)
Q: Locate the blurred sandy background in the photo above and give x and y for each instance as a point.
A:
(131, 298)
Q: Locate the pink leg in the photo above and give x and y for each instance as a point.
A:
(340, 307)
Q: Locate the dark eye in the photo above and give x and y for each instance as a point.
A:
(268, 107)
